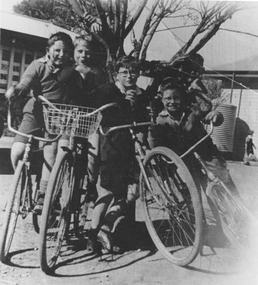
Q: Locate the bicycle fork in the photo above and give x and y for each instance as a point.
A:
(26, 183)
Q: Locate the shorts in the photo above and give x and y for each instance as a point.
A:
(29, 125)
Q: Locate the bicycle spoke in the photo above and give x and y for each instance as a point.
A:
(55, 216)
(12, 210)
(170, 215)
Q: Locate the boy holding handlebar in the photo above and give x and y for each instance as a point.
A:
(52, 77)
(180, 125)
(117, 153)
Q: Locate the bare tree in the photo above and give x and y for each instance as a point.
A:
(115, 20)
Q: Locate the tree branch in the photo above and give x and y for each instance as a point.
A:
(117, 18)
(146, 28)
(135, 18)
(122, 28)
(149, 38)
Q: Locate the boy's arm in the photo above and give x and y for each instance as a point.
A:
(25, 84)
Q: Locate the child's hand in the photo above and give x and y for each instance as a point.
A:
(130, 95)
(215, 116)
(96, 28)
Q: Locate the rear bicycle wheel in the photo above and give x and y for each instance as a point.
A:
(55, 214)
(237, 223)
(172, 206)
(12, 210)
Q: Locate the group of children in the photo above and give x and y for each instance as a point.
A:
(61, 79)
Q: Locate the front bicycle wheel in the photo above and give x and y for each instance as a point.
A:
(237, 223)
(172, 206)
(12, 210)
(55, 214)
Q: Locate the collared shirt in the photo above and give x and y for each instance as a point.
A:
(165, 117)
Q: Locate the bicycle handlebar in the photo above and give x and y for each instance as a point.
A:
(102, 108)
(116, 128)
(9, 120)
(200, 141)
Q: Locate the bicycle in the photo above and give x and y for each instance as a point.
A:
(23, 192)
(172, 202)
(64, 195)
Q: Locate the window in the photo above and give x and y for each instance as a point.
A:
(4, 67)
(3, 76)
(28, 58)
(16, 78)
(17, 56)
(6, 55)
(16, 68)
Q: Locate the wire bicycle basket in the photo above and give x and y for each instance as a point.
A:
(70, 120)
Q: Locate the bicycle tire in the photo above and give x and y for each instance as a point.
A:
(35, 216)
(172, 206)
(12, 211)
(237, 223)
(55, 214)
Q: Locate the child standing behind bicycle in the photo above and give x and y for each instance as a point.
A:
(180, 125)
(52, 77)
(117, 150)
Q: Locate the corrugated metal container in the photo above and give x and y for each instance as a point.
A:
(223, 135)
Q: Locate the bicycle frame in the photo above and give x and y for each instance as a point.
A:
(28, 148)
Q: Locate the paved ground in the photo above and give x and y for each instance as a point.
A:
(139, 265)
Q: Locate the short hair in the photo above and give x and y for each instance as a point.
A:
(171, 83)
(60, 36)
(87, 40)
(127, 62)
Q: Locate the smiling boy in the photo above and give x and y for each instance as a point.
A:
(180, 126)
(52, 77)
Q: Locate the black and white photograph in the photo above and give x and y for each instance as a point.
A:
(128, 142)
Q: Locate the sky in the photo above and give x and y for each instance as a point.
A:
(7, 5)
(223, 43)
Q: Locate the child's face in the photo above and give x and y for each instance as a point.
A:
(82, 54)
(172, 100)
(127, 77)
(59, 53)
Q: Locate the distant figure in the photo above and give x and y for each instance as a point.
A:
(1, 126)
(249, 149)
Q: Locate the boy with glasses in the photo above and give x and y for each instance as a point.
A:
(180, 125)
(117, 153)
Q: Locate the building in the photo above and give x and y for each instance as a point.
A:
(23, 39)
